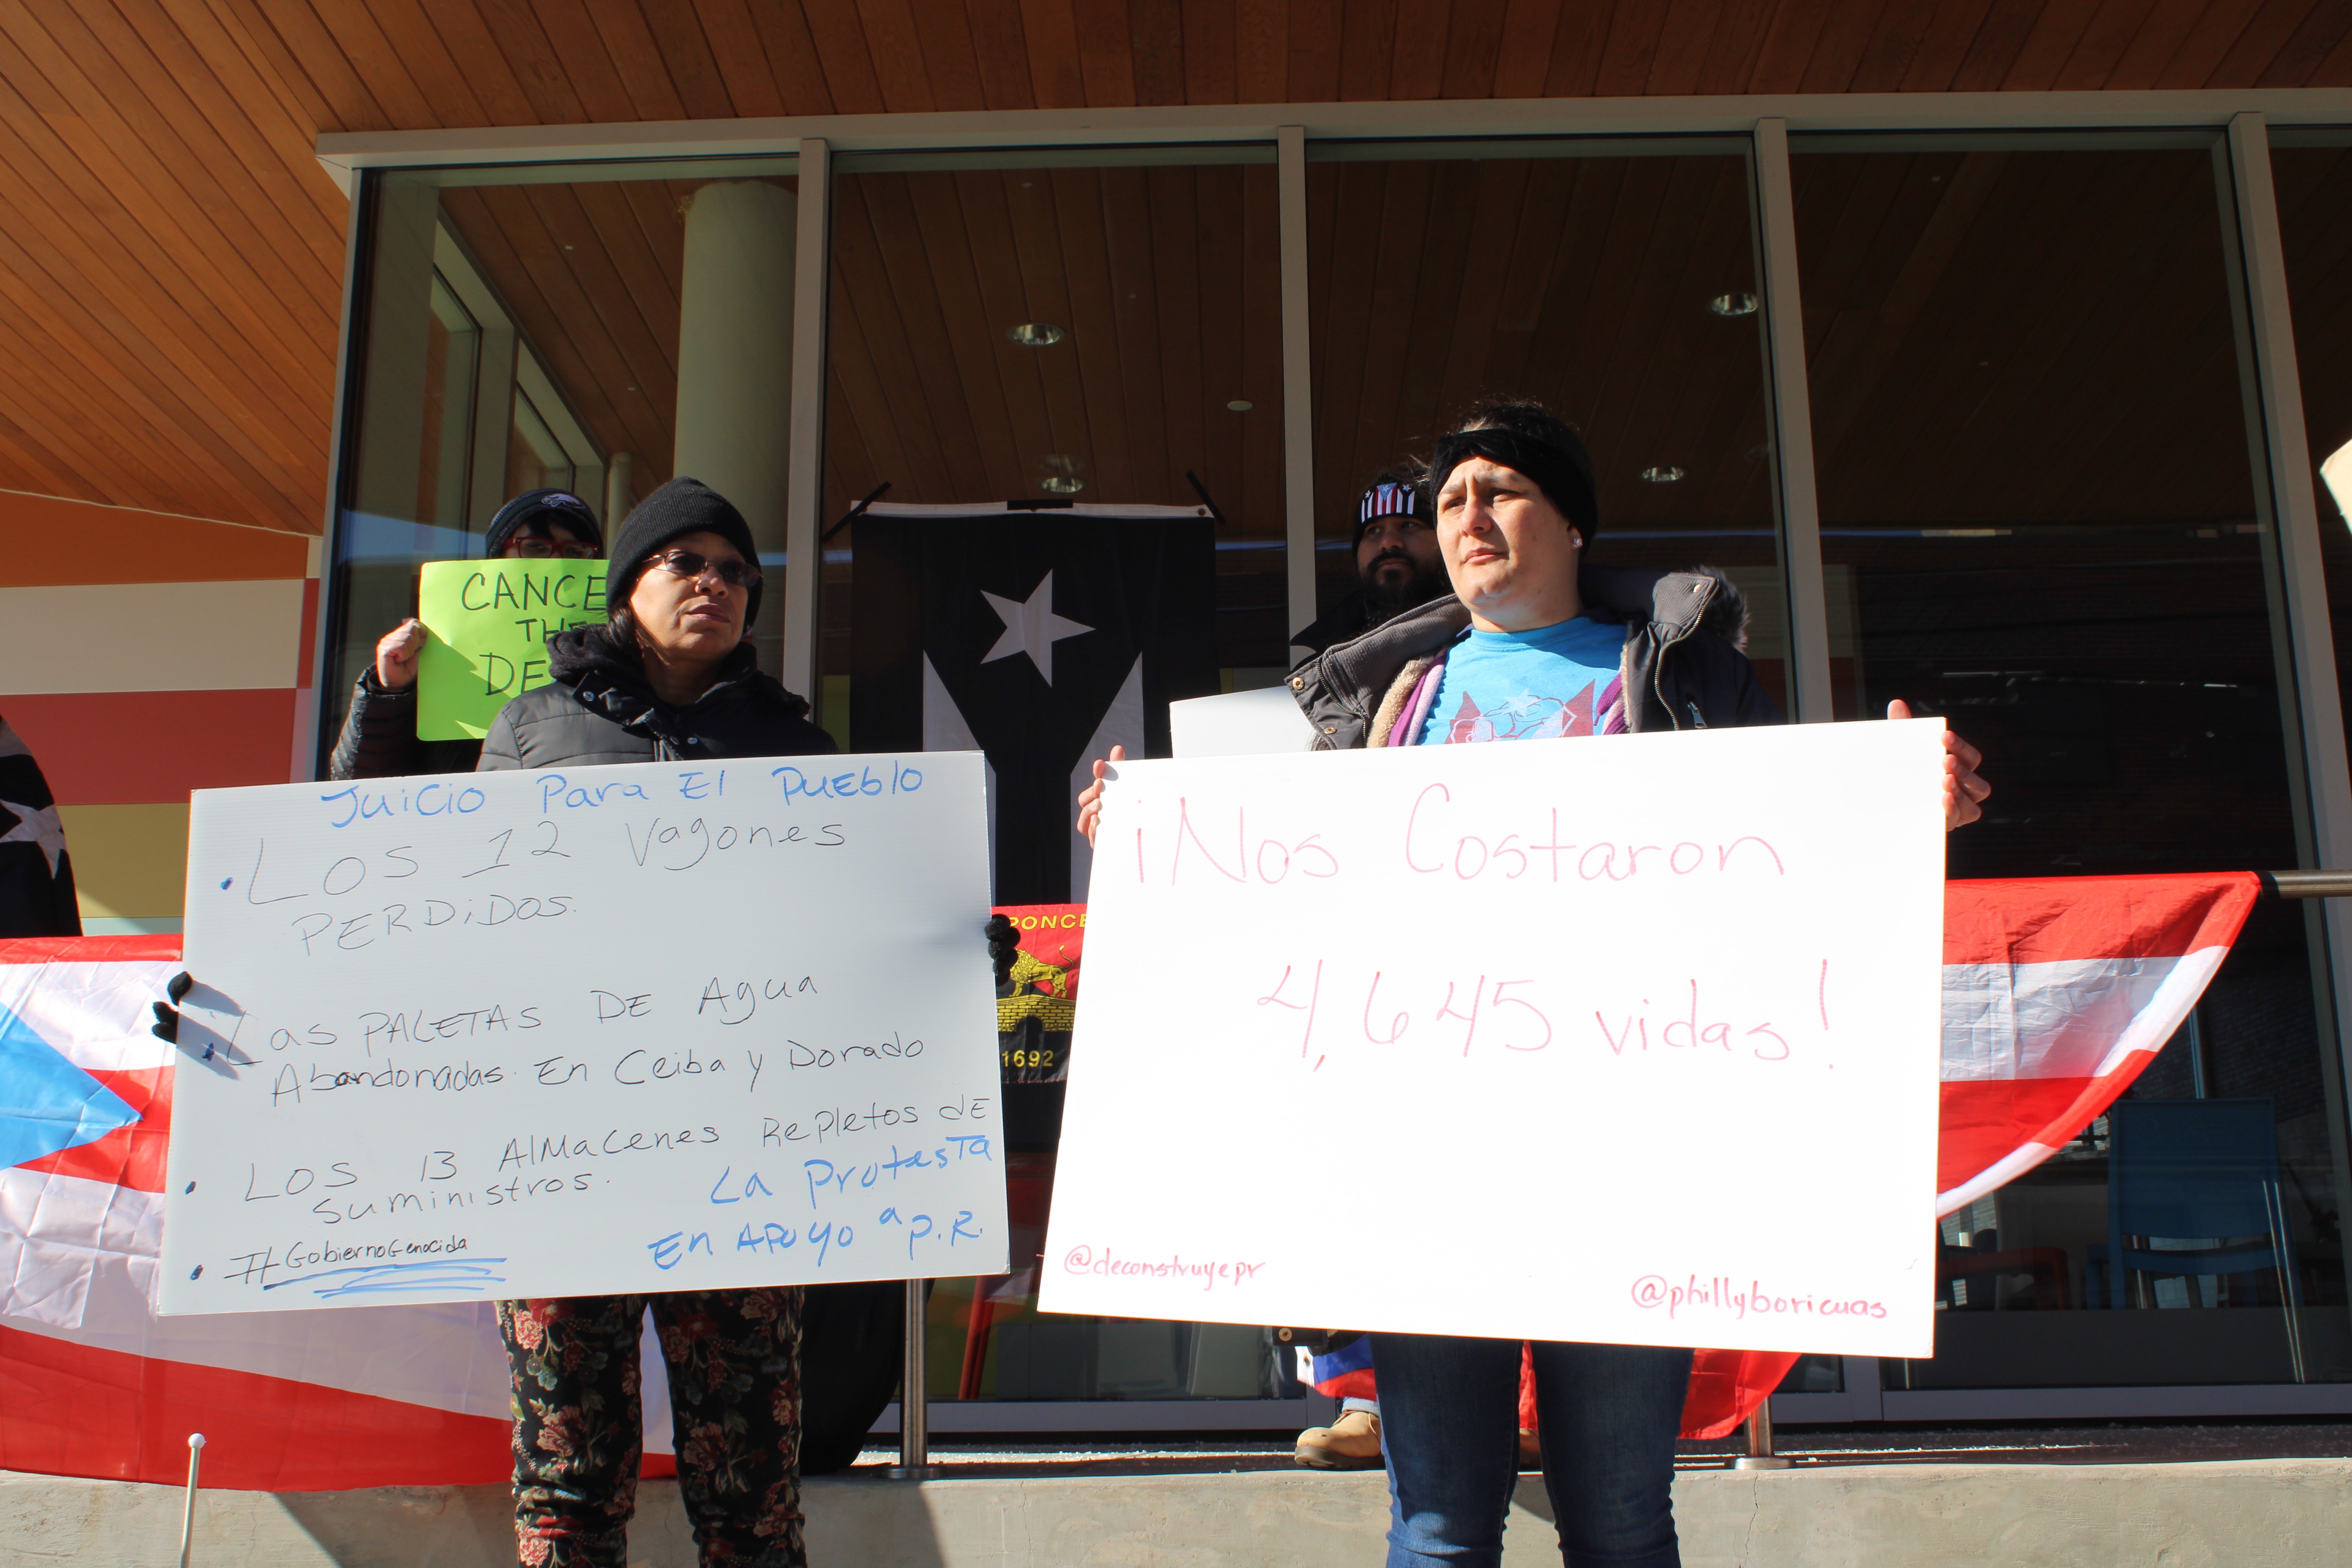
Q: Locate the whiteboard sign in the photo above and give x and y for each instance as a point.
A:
(659, 1027)
(1630, 1040)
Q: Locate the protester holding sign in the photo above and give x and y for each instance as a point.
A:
(1537, 645)
(669, 677)
(379, 735)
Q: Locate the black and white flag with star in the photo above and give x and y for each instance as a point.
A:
(1042, 637)
(37, 885)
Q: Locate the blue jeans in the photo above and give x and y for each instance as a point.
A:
(1449, 1425)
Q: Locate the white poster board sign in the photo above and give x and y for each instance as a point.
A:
(1630, 1040)
(1239, 725)
(662, 1027)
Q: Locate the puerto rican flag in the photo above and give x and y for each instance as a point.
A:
(2057, 991)
(93, 1384)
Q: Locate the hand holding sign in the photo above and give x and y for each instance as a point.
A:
(487, 623)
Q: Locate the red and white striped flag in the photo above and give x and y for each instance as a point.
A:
(2057, 991)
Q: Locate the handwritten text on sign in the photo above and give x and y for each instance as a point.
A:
(1636, 1038)
(487, 624)
(652, 1028)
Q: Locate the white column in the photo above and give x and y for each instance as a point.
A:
(735, 361)
(620, 490)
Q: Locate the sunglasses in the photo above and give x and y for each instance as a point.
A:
(547, 550)
(735, 572)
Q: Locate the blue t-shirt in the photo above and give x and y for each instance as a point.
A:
(1560, 680)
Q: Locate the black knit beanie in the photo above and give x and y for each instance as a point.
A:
(1527, 440)
(554, 506)
(681, 506)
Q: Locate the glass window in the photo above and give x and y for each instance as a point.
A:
(528, 328)
(2032, 448)
(1613, 281)
(452, 343)
(1095, 328)
(1065, 367)
(535, 458)
(2313, 171)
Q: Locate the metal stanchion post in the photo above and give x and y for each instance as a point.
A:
(1759, 1455)
(188, 1512)
(914, 1399)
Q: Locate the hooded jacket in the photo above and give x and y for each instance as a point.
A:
(1683, 665)
(600, 709)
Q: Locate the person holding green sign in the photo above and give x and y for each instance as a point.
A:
(379, 735)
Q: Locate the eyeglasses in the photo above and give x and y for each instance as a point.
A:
(547, 549)
(735, 572)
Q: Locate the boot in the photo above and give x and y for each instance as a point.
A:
(1351, 1443)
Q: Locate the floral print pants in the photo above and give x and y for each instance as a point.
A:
(734, 1390)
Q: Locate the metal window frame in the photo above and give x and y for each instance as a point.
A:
(804, 464)
(2244, 117)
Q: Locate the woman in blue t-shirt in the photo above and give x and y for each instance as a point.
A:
(1537, 643)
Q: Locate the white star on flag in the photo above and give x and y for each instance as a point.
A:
(41, 827)
(1031, 627)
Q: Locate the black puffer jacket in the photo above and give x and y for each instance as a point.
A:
(600, 710)
(1683, 665)
(379, 738)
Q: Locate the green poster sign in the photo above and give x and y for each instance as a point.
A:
(487, 624)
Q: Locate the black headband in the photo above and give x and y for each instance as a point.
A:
(1564, 482)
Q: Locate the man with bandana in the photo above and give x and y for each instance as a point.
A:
(1398, 567)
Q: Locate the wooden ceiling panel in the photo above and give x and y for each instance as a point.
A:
(176, 260)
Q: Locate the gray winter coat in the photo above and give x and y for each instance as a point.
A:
(600, 710)
(1682, 665)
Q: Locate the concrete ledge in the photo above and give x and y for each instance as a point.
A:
(2250, 1513)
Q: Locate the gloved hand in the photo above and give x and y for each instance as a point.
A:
(167, 1018)
(1004, 946)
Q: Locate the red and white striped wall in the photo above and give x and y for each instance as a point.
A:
(143, 656)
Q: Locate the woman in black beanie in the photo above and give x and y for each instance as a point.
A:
(669, 677)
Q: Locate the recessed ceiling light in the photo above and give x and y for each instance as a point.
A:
(1733, 304)
(1035, 334)
(1241, 405)
(1666, 474)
